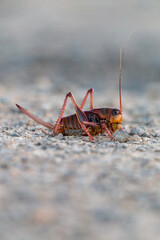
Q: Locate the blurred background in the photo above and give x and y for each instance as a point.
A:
(66, 44)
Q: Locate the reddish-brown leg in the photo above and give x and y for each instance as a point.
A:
(107, 131)
(45, 132)
(81, 116)
(91, 91)
(85, 129)
(90, 124)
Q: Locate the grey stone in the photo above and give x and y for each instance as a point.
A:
(140, 131)
(121, 136)
(15, 134)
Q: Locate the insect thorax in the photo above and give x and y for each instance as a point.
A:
(93, 117)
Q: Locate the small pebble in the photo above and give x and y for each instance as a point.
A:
(4, 163)
(75, 149)
(61, 146)
(14, 134)
(43, 215)
(157, 150)
(140, 131)
(135, 139)
(11, 142)
(124, 145)
(157, 135)
(121, 136)
(142, 148)
(59, 136)
(29, 136)
(30, 122)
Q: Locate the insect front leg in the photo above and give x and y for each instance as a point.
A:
(91, 91)
(107, 131)
(81, 116)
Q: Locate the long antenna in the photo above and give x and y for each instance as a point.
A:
(120, 76)
(121, 63)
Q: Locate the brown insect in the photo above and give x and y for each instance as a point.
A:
(92, 122)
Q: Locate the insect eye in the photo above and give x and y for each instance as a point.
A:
(115, 112)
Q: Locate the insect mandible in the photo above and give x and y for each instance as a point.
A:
(92, 122)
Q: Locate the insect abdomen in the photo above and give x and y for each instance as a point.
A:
(71, 122)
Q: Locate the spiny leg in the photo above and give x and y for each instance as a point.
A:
(81, 116)
(91, 91)
(41, 122)
(107, 131)
(85, 129)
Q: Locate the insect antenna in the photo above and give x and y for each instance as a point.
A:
(120, 76)
(121, 63)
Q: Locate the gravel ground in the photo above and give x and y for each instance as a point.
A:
(70, 188)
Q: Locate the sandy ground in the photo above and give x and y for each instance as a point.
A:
(68, 188)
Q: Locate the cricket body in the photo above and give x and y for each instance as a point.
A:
(92, 122)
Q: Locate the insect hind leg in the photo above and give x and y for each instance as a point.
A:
(91, 91)
(81, 116)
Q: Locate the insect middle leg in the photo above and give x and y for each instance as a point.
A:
(81, 116)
